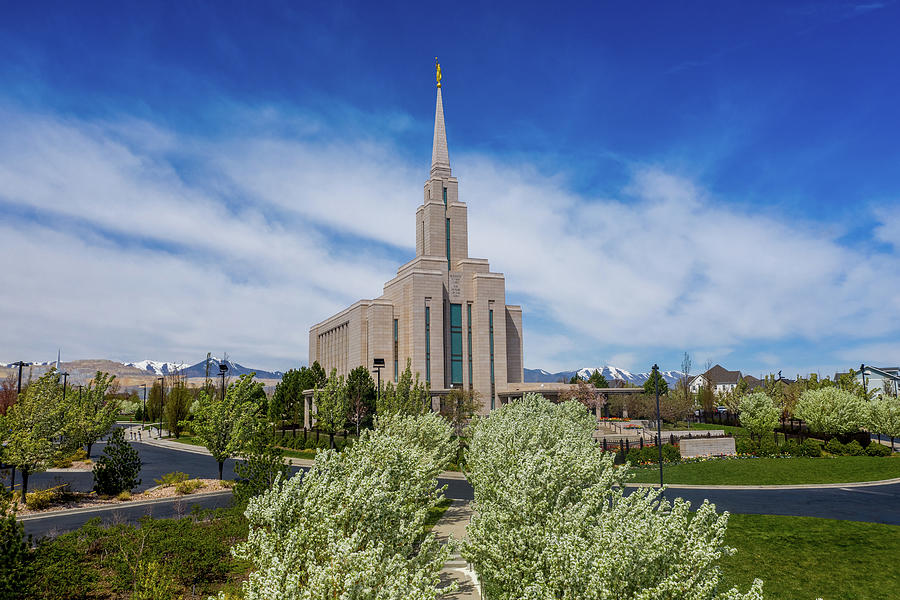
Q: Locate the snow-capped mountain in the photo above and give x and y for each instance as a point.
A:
(199, 369)
(609, 372)
(158, 368)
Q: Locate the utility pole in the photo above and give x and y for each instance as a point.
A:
(20, 364)
(65, 376)
(162, 404)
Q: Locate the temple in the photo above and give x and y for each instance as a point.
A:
(444, 311)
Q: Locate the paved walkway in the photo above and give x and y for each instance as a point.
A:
(453, 523)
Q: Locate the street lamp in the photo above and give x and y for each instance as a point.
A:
(162, 403)
(20, 364)
(658, 424)
(378, 365)
(223, 368)
(65, 376)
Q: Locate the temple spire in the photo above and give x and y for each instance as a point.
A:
(440, 158)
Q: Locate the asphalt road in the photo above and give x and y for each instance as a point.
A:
(879, 504)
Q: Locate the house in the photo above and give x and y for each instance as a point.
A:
(719, 378)
(877, 378)
(752, 382)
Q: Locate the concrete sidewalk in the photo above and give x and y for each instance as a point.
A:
(453, 523)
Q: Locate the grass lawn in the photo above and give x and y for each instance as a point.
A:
(774, 471)
(807, 558)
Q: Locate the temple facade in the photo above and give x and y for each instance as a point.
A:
(444, 311)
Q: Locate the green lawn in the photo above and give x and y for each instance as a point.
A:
(807, 558)
(774, 471)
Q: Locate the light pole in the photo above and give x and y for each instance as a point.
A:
(20, 364)
(223, 368)
(658, 424)
(65, 376)
(162, 403)
(378, 365)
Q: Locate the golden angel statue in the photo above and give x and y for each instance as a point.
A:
(437, 67)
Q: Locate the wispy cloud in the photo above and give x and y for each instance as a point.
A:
(129, 240)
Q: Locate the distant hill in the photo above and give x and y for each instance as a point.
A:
(609, 372)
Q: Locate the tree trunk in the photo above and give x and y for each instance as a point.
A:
(24, 484)
(12, 479)
(331, 439)
(89, 446)
(221, 464)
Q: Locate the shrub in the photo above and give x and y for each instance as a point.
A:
(171, 479)
(124, 496)
(310, 443)
(671, 453)
(41, 499)
(766, 447)
(188, 487)
(791, 448)
(744, 445)
(118, 469)
(876, 449)
(152, 583)
(854, 449)
(14, 563)
(810, 448)
(323, 443)
(834, 446)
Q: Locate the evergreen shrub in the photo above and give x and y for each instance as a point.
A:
(854, 449)
(834, 446)
(876, 449)
(118, 469)
(810, 448)
(791, 448)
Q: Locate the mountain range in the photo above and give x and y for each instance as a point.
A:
(609, 372)
(199, 369)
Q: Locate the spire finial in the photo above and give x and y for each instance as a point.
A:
(437, 68)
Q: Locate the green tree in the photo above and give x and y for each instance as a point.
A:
(332, 406)
(177, 407)
(361, 392)
(408, 397)
(34, 428)
(155, 403)
(650, 384)
(758, 413)
(262, 463)
(459, 407)
(287, 401)
(226, 426)
(317, 376)
(598, 380)
(575, 378)
(118, 469)
(93, 411)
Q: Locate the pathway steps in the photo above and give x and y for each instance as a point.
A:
(453, 523)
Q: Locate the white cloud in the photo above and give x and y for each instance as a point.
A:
(152, 244)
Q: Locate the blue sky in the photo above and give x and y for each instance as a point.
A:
(712, 177)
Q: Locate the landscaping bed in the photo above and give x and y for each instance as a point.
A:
(773, 471)
(60, 498)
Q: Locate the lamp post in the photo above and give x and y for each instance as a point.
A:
(378, 365)
(162, 403)
(20, 364)
(223, 368)
(658, 424)
(862, 372)
(65, 376)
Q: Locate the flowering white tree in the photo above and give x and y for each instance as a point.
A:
(832, 410)
(758, 413)
(552, 520)
(353, 526)
(884, 416)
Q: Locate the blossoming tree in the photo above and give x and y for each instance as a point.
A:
(551, 519)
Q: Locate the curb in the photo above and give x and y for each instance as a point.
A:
(797, 486)
(114, 507)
